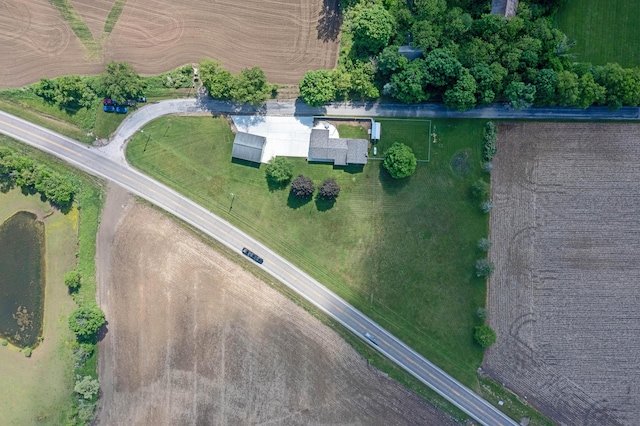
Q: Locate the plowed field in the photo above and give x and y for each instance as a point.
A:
(285, 38)
(194, 339)
(564, 298)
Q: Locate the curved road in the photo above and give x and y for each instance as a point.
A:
(109, 163)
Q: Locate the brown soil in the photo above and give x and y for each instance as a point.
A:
(564, 299)
(286, 38)
(195, 339)
(35, 42)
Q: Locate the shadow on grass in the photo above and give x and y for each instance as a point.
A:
(245, 163)
(297, 202)
(276, 186)
(390, 185)
(102, 332)
(351, 169)
(323, 205)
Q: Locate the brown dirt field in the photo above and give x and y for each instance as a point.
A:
(286, 38)
(195, 339)
(35, 42)
(564, 298)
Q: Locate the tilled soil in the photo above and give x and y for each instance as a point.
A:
(194, 339)
(564, 298)
(286, 38)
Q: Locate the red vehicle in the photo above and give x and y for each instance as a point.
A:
(107, 101)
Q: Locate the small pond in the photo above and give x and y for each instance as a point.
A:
(22, 277)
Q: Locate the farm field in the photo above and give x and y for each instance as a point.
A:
(284, 38)
(39, 389)
(401, 251)
(604, 30)
(196, 339)
(563, 299)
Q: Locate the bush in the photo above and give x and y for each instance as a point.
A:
(484, 268)
(317, 87)
(484, 244)
(480, 189)
(72, 279)
(329, 190)
(489, 149)
(27, 352)
(399, 161)
(481, 313)
(4, 342)
(86, 386)
(484, 335)
(86, 321)
(279, 170)
(486, 206)
(302, 187)
(487, 167)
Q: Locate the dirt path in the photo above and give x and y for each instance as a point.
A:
(195, 339)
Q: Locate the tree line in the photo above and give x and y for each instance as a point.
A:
(22, 171)
(470, 58)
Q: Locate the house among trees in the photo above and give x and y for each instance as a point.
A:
(339, 151)
(506, 8)
(248, 147)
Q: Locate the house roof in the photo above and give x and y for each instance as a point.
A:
(505, 8)
(248, 147)
(340, 151)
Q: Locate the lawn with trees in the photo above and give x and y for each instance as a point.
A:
(427, 225)
(46, 382)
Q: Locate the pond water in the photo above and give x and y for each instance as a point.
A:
(22, 277)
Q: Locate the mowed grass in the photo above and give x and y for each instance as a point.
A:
(402, 251)
(108, 122)
(38, 390)
(604, 30)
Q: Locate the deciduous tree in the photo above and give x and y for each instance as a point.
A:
(399, 161)
(279, 170)
(484, 335)
(86, 321)
(317, 87)
(302, 187)
(329, 190)
(372, 27)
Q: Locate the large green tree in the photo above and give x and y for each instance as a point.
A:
(251, 86)
(462, 95)
(520, 95)
(217, 80)
(85, 321)
(317, 87)
(372, 27)
(279, 170)
(400, 161)
(120, 82)
(484, 335)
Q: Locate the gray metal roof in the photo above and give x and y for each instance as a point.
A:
(339, 151)
(248, 147)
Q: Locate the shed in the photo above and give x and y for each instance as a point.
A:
(248, 147)
(376, 128)
(506, 8)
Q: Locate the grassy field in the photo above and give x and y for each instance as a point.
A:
(40, 389)
(604, 30)
(403, 252)
(107, 123)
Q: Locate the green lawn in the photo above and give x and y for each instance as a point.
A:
(605, 30)
(108, 122)
(352, 132)
(403, 252)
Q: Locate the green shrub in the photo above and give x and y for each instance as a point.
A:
(86, 321)
(486, 206)
(484, 335)
(484, 244)
(484, 268)
(86, 386)
(490, 134)
(4, 342)
(27, 352)
(480, 189)
(481, 313)
(72, 279)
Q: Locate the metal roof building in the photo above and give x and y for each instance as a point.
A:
(248, 147)
(338, 151)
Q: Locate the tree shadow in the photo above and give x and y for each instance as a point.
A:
(390, 185)
(330, 21)
(102, 333)
(323, 205)
(276, 186)
(297, 202)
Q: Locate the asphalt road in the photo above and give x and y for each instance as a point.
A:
(97, 163)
